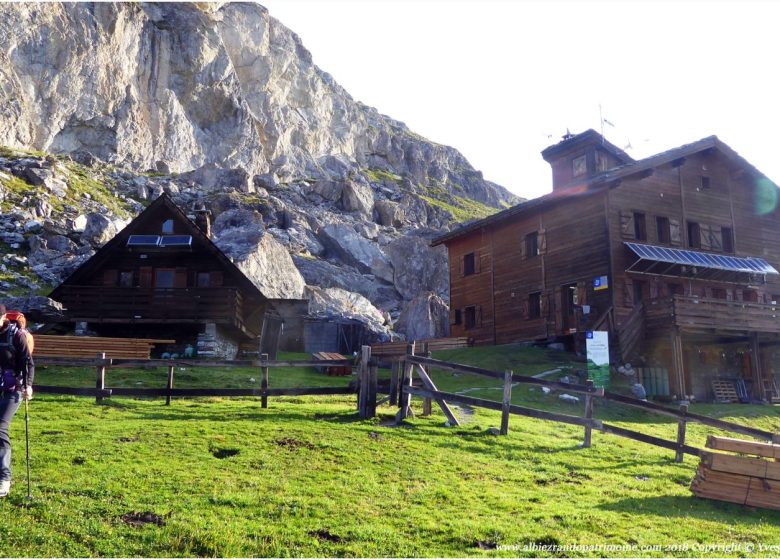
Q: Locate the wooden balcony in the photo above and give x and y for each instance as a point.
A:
(699, 314)
(99, 304)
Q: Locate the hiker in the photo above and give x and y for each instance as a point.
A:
(17, 371)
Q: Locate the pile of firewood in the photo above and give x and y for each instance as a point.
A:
(750, 481)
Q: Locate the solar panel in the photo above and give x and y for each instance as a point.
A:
(176, 241)
(143, 241)
(706, 260)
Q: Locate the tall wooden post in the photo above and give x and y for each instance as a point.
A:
(373, 370)
(169, 386)
(364, 384)
(427, 401)
(405, 398)
(263, 381)
(677, 363)
(758, 383)
(588, 414)
(681, 426)
(394, 371)
(506, 402)
(100, 377)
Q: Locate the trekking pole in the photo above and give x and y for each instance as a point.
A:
(27, 442)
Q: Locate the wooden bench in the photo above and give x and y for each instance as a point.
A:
(51, 346)
(332, 370)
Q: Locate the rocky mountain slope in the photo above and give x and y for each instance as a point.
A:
(313, 193)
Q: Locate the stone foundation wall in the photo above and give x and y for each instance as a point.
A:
(214, 342)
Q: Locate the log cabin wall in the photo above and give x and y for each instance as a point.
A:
(525, 267)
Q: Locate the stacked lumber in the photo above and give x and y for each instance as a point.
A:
(332, 370)
(50, 346)
(750, 481)
(421, 346)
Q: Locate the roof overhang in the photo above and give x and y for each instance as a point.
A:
(683, 263)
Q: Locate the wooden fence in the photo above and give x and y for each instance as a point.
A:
(400, 391)
(366, 388)
(417, 364)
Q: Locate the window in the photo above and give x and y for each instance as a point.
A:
(469, 264)
(126, 279)
(458, 317)
(718, 293)
(640, 227)
(579, 166)
(163, 278)
(727, 238)
(750, 295)
(705, 182)
(167, 226)
(663, 229)
(675, 289)
(470, 313)
(535, 305)
(639, 289)
(532, 244)
(204, 279)
(694, 235)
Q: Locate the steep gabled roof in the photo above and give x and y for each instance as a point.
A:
(136, 226)
(608, 179)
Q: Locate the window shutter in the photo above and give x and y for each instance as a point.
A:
(460, 262)
(705, 233)
(716, 238)
(707, 292)
(109, 277)
(628, 293)
(654, 289)
(545, 304)
(739, 295)
(542, 241)
(145, 277)
(477, 262)
(558, 309)
(627, 225)
(180, 278)
(675, 234)
(452, 316)
(477, 315)
(523, 248)
(215, 278)
(729, 294)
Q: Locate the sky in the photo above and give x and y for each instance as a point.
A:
(500, 80)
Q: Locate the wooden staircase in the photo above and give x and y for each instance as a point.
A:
(631, 332)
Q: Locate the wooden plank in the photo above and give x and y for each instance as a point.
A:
(428, 384)
(652, 440)
(77, 391)
(742, 446)
(747, 466)
(588, 415)
(514, 409)
(681, 428)
(169, 386)
(496, 375)
(100, 377)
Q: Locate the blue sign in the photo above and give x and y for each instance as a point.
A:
(600, 283)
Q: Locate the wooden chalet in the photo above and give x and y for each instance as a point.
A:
(676, 255)
(163, 277)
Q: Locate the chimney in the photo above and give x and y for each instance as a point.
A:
(203, 220)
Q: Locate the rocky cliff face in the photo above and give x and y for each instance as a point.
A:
(218, 105)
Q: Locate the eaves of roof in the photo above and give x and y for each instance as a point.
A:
(598, 183)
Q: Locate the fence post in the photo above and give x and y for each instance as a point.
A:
(396, 365)
(427, 401)
(588, 414)
(678, 458)
(263, 381)
(169, 386)
(506, 402)
(373, 370)
(100, 380)
(405, 399)
(363, 383)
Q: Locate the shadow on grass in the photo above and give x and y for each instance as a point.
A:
(691, 506)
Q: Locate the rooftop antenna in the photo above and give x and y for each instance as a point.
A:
(603, 121)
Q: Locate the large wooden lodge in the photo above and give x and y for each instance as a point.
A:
(676, 255)
(162, 277)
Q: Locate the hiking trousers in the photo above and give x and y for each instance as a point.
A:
(9, 404)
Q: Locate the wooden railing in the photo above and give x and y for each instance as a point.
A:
(98, 303)
(695, 313)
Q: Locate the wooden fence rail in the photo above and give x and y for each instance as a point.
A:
(683, 416)
(367, 387)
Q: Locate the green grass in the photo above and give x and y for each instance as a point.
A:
(380, 175)
(81, 182)
(306, 477)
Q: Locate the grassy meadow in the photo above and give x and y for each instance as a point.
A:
(306, 477)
